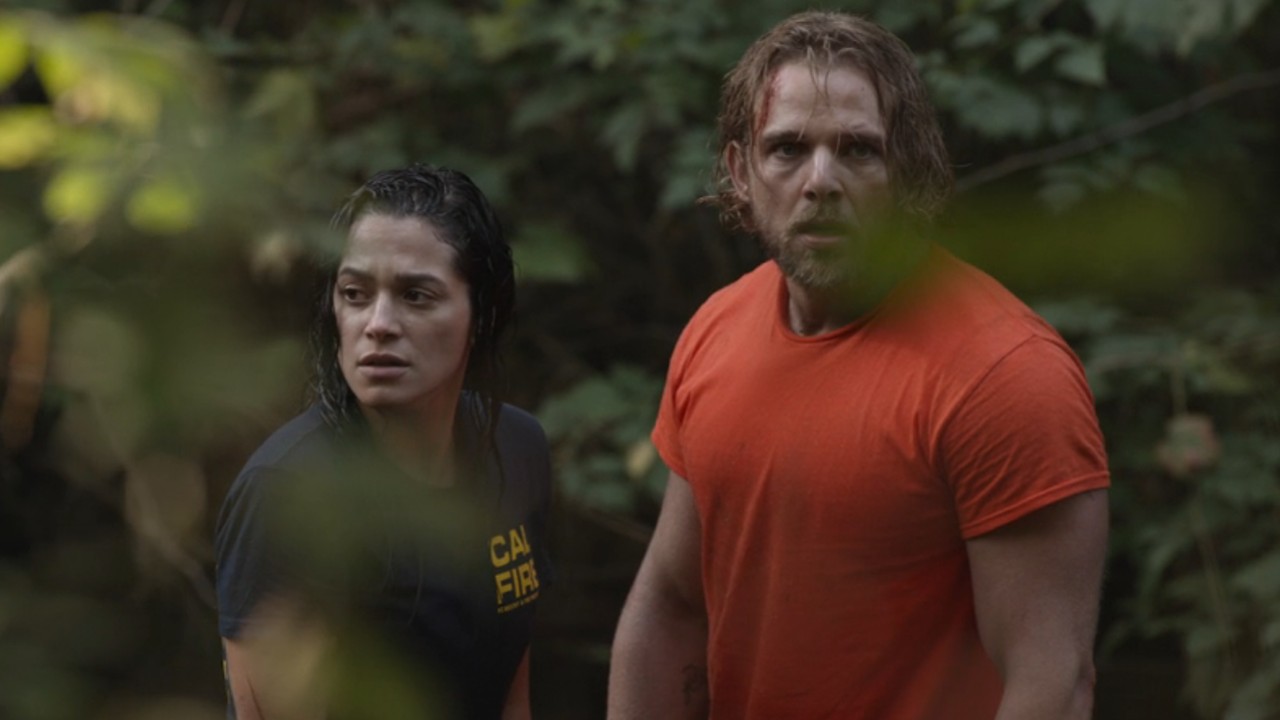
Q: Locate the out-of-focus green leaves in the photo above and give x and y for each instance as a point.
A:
(78, 195)
(1083, 64)
(164, 206)
(287, 96)
(13, 50)
(26, 135)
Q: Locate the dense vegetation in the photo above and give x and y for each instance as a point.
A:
(167, 168)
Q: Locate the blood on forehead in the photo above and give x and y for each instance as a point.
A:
(766, 104)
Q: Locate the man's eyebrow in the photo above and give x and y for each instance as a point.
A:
(854, 135)
(778, 137)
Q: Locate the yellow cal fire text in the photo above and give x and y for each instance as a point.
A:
(515, 575)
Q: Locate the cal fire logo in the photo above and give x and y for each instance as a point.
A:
(514, 574)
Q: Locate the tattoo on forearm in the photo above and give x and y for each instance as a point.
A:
(695, 685)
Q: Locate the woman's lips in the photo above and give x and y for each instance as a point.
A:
(382, 366)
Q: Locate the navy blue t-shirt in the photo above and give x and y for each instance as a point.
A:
(448, 578)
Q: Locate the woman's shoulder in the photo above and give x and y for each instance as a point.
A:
(301, 442)
(519, 429)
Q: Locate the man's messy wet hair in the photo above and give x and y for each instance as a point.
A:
(920, 173)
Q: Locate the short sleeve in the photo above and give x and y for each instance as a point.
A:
(260, 546)
(1025, 436)
(666, 430)
(542, 510)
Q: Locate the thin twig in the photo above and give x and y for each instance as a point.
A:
(1122, 130)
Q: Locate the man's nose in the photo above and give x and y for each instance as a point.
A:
(383, 320)
(823, 182)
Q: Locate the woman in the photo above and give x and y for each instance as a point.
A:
(395, 530)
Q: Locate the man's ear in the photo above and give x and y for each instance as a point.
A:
(735, 158)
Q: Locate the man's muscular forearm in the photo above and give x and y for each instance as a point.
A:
(658, 668)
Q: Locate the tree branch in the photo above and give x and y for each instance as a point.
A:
(1122, 130)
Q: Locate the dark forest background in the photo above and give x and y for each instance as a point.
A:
(167, 169)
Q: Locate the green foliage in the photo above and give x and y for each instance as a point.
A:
(1192, 414)
(164, 178)
(599, 430)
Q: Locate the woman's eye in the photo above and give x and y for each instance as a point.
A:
(417, 297)
(351, 294)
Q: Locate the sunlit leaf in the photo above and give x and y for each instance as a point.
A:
(164, 207)
(87, 92)
(13, 51)
(496, 35)
(26, 135)
(77, 195)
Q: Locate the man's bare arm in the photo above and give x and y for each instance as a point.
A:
(1036, 586)
(659, 667)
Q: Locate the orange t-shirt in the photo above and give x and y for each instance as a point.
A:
(838, 476)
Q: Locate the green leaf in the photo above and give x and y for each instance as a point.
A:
(13, 51)
(976, 31)
(1033, 50)
(546, 104)
(1242, 13)
(1083, 64)
(687, 178)
(991, 106)
(1261, 578)
(1105, 13)
(26, 134)
(1207, 19)
(899, 17)
(623, 132)
(77, 195)
(497, 35)
(288, 96)
(549, 253)
(164, 207)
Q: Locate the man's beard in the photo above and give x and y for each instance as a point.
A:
(815, 268)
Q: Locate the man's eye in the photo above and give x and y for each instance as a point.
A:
(787, 149)
(418, 297)
(862, 151)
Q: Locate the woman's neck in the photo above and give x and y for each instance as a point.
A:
(420, 443)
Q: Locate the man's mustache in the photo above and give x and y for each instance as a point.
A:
(823, 222)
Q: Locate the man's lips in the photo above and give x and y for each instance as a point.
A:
(822, 232)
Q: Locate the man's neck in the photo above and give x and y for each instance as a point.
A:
(818, 310)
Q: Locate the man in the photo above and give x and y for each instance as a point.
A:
(887, 493)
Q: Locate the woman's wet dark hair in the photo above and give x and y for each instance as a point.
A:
(461, 214)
